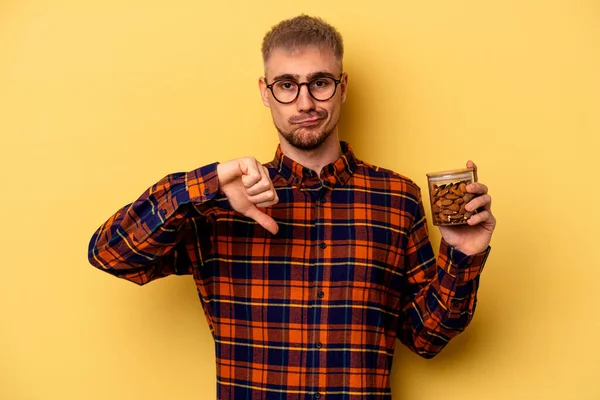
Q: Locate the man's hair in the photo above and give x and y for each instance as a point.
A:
(301, 31)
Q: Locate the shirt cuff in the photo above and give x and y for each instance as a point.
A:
(467, 267)
(202, 183)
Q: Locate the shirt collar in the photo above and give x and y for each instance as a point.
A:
(339, 171)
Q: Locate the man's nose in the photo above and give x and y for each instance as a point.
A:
(305, 102)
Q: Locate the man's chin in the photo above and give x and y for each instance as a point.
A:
(307, 146)
(306, 140)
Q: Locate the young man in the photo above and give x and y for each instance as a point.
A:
(308, 267)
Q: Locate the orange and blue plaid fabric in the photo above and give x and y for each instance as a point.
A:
(314, 311)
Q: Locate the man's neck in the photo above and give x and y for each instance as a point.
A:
(317, 158)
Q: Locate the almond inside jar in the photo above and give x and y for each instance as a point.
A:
(448, 203)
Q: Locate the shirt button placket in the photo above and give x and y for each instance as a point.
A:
(321, 260)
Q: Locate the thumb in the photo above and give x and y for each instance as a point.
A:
(471, 164)
(263, 219)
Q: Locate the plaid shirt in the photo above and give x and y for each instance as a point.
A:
(314, 311)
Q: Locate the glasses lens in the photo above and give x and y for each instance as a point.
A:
(322, 88)
(285, 91)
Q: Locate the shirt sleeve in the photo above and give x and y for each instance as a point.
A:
(143, 240)
(440, 294)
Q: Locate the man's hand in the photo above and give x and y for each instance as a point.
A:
(474, 237)
(247, 185)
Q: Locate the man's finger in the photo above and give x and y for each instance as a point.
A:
(471, 164)
(263, 197)
(268, 176)
(266, 204)
(265, 181)
(262, 185)
(479, 218)
(269, 203)
(484, 201)
(250, 173)
(263, 220)
(477, 188)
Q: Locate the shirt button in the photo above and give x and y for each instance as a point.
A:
(317, 395)
(163, 212)
(321, 294)
(323, 245)
(296, 180)
(319, 345)
(206, 192)
(455, 303)
(323, 200)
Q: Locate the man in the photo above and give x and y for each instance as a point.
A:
(310, 266)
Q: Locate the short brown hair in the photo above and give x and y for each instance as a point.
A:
(301, 31)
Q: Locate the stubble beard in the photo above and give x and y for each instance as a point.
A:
(304, 140)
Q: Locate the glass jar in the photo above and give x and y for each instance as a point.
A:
(448, 196)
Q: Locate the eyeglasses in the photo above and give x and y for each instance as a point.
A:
(322, 88)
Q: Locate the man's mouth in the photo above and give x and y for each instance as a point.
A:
(308, 122)
(309, 119)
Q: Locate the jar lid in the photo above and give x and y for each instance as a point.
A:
(451, 172)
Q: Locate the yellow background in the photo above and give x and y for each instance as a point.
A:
(100, 99)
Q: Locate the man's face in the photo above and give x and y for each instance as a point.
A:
(306, 122)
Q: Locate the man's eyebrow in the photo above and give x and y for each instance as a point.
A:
(309, 77)
(320, 74)
(286, 77)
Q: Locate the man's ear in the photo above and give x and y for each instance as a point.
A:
(344, 87)
(264, 91)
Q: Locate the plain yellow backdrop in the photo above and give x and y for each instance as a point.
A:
(100, 99)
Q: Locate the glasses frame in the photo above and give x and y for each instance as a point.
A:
(307, 83)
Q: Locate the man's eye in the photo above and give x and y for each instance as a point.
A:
(286, 85)
(320, 83)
